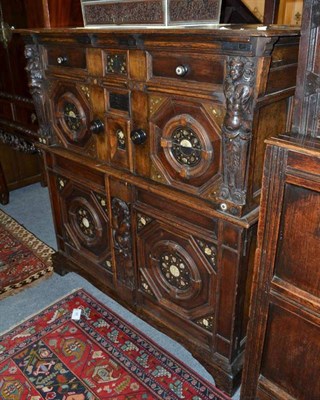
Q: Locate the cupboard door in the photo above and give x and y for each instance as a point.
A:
(177, 273)
(76, 126)
(283, 349)
(82, 217)
(185, 143)
(193, 280)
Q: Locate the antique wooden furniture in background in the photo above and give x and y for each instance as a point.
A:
(153, 141)
(19, 157)
(4, 192)
(283, 349)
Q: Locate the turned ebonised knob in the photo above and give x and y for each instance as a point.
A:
(96, 126)
(62, 60)
(138, 136)
(181, 70)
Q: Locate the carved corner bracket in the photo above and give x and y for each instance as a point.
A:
(237, 130)
(38, 89)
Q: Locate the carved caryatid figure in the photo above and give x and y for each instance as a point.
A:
(237, 127)
(37, 87)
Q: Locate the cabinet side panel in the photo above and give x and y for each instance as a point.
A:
(298, 345)
(299, 240)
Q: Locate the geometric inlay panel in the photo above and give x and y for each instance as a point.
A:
(116, 64)
(186, 143)
(209, 251)
(85, 221)
(61, 183)
(175, 270)
(186, 146)
(206, 323)
(142, 221)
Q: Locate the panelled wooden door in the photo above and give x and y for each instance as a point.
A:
(19, 158)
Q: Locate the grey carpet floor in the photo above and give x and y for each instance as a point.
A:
(30, 206)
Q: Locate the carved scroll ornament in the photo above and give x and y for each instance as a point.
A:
(237, 127)
(37, 87)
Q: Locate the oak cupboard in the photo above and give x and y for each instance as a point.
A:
(153, 141)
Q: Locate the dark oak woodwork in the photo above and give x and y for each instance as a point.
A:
(154, 162)
(283, 348)
(4, 192)
(307, 111)
(271, 10)
(19, 125)
(283, 351)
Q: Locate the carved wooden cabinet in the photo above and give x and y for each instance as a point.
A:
(283, 348)
(153, 141)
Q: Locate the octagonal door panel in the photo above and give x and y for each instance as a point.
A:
(85, 217)
(77, 126)
(177, 264)
(185, 143)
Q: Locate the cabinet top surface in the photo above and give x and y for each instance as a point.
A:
(221, 30)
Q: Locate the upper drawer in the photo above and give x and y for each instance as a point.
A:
(66, 57)
(201, 68)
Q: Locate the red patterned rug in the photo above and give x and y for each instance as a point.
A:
(23, 257)
(99, 356)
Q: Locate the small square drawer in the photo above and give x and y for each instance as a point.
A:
(66, 57)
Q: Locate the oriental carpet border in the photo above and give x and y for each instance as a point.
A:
(24, 259)
(54, 355)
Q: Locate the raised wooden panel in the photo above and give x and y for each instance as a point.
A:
(85, 216)
(77, 124)
(185, 144)
(290, 360)
(120, 145)
(177, 268)
(300, 228)
(20, 169)
(272, 119)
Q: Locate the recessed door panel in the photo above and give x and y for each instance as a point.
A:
(85, 216)
(76, 126)
(177, 268)
(185, 144)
